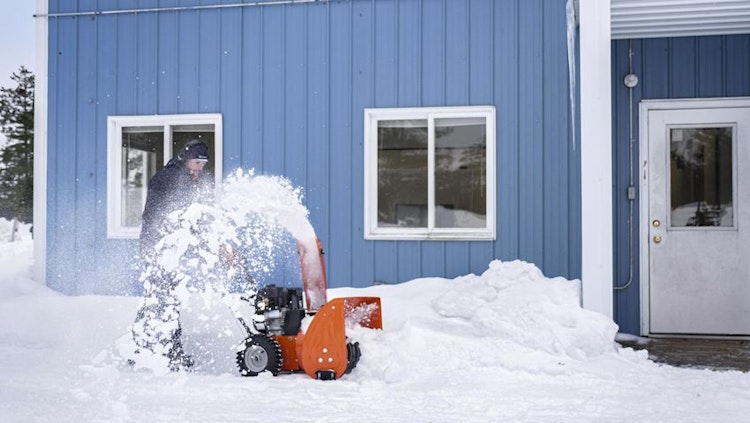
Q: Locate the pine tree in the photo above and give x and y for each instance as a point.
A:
(17, 155)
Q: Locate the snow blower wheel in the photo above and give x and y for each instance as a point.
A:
(353, 354)
(260, 353)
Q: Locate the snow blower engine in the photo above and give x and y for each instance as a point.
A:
(286, 336)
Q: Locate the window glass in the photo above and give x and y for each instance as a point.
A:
(184, 133)
(460, 173)
(142, 154)
(402, 173)
(701, 177)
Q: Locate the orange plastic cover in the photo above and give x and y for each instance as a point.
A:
(288, 345)
(323, 346)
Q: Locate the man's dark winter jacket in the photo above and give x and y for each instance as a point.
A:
(171, 188)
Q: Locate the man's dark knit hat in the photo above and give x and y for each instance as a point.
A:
(194, 149)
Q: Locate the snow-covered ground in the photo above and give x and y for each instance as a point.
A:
(509, 345)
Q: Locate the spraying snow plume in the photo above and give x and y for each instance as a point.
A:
(251, 217)
(216, 249)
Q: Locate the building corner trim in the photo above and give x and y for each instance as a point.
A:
(596, 156)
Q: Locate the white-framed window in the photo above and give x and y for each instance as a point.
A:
(430, 173)
(138, 146)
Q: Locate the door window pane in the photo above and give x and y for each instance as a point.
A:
(460, 173)
(701, 177)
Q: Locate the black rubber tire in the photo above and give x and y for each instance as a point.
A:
(260, 353)
(353, 354)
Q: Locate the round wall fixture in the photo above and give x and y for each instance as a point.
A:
(631, 80)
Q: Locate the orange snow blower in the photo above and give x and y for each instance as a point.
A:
(286, 336)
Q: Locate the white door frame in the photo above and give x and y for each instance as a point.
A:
(645, 107)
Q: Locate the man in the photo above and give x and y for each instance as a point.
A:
(177, 185)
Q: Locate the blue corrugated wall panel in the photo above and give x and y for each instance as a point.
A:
(687, 67)
(167, 76)
(737, 83)
(63, 147)
(230, 89)
(291, 82)
(454, 88)
(338, 200)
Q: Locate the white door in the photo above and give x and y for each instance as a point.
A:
(695, 205)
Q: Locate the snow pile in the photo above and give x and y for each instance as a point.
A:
(511, 318)
(15, 260)
(11, 231)
(515, 302)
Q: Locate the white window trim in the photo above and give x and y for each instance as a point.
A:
(114, 159)
(371, 229)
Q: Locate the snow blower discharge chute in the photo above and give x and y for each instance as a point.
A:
(276, 339)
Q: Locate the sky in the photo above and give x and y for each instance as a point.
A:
(17, 41)
(17, 35)
(508, 345)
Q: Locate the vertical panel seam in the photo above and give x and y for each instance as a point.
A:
(75, 129)
(352, 224)
(261, 78)
(420, 39)
(492, 49)
(468, 52)
(373, 52)
(284, 99)
(244, 125)
(97, 146)
(444, 54)
(724, 72)
(327, 141)
(396, 42)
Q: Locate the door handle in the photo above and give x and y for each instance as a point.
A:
(657, 239)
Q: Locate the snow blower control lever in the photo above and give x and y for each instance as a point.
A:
(279, 340)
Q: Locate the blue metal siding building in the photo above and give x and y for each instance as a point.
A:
(291, 82)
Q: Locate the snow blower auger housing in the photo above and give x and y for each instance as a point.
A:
(277, 341)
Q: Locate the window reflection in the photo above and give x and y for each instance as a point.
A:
(402, 173)
(143, 154)
(460, 192)
(460, 173)
(701, 177)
